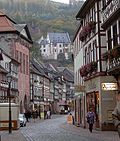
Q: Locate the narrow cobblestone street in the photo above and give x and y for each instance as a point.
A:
(56, 129)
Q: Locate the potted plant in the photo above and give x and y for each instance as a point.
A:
(83, 71)
(92, 24)
(88, 68)
(110, 55)
(116, 51)
(84, 32)
(94, 66)
(81, 37)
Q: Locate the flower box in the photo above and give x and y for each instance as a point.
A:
(94, 66)
(112, 53)
(116, 51)
(87, 30)
(92, 24)
(83, 71)
(88, 69)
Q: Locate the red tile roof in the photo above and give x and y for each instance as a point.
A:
(1, 13)
(5, 23)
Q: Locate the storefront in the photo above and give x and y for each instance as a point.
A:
(79, 105)
(101, 100)
(92, 101)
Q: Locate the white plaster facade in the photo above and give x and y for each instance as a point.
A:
(93, 44)
(54, 44)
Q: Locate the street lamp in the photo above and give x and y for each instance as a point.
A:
(9, 79)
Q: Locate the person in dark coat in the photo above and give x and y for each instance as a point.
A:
(26, 116)
(90, 119)
(35, 114)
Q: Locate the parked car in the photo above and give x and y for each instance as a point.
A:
(63, 109)
(22, 120)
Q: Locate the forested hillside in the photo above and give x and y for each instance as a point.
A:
(42, 16)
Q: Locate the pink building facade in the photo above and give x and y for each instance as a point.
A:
(16, 41)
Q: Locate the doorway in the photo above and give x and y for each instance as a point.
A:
(92, 101)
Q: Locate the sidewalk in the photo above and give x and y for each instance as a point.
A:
(17, 135)
(14, 136)
(103, 135)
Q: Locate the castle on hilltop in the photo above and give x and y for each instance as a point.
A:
(74, 2)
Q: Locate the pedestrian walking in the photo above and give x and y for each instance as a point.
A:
(48, 114)
(26, 116)
(90, 119)
(45, 114)
(116, 115)
(35, 115)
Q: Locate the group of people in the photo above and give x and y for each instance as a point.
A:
(35, 114)
(28, 115)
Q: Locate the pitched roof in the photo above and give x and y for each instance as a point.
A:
(44, 42)
(85, 8)
(1, 13)
(2, 70)
(34, 70)
(59, 38)
(8, 25)
(67, 74)
(38, 66)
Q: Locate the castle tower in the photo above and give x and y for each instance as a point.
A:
(72, 2)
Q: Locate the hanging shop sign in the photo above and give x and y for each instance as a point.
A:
(109, 86)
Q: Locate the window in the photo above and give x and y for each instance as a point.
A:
(24, 63)
(6, 65)
(44, 50)
(21, 62)
(115, 41)
(16, 55)
(89, 53)
(61, 51)
(85, 57)
(27, 66)
(94, 51)
(103, 3)
(109, 39)
(94, 16)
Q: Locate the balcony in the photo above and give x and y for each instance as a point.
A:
(113, 66)
(110, 11)
(113, 60)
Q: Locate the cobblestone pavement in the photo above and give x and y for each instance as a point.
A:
(15, 136)
(57, 129)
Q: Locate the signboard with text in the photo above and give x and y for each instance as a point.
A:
(109, 86)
